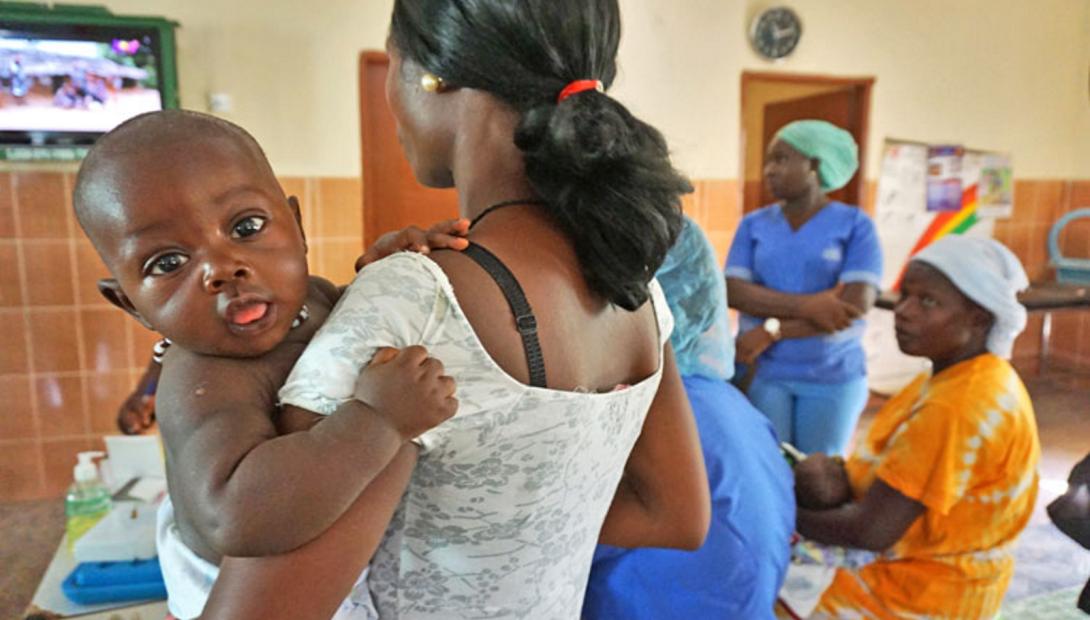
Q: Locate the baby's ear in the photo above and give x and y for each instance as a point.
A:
(293, 203)
(111, 290)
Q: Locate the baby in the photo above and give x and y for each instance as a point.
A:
(821, 482)
(205, 249)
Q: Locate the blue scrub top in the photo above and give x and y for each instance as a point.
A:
(837, 245)
(738, 571)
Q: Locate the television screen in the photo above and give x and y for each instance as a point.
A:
(67, 85)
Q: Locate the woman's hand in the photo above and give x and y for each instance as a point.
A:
(445, 235)
(137, 413)
(750, 345)
(828, 311)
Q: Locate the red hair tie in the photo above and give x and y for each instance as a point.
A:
(579, 86)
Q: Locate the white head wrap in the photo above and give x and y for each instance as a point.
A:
(986, 272)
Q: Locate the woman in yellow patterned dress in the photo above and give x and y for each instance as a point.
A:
(947, 476)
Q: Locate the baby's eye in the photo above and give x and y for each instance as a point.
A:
(248, 226)
(928, 302)
(167, 263)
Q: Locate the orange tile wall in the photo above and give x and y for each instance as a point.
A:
(1037, 205)
(67, 357)
(715, 205)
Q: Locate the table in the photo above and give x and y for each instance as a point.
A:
(50, 602)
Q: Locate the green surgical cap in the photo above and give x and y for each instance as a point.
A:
(834, 148)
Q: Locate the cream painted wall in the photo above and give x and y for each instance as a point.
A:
(1082, 124)
(995, 74)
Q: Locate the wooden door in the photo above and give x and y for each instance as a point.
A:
(841, 108)
(392, 198)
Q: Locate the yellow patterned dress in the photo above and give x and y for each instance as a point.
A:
(964, 444)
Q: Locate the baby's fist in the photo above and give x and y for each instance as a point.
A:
(408, 389)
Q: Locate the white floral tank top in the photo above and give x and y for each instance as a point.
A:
(502, 514)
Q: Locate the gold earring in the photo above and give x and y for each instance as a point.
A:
(431, 83)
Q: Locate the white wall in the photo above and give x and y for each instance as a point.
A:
(995, 74)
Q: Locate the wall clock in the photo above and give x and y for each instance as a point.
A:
(775, 32)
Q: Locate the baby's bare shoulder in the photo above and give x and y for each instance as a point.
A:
(193, 386)
(322, 292)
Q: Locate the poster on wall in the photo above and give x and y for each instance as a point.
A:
(944, 177)
(995, 193)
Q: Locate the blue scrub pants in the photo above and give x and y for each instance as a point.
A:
(813, 417)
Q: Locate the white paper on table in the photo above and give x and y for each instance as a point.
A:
(803, 586)
(139, 456)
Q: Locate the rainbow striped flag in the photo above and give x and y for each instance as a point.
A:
(945, 223)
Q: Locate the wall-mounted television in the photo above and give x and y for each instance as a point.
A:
(69, 74)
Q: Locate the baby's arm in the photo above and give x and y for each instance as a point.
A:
(246, 491)
(311, 581)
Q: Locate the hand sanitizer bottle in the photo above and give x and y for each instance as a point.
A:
(87, 500)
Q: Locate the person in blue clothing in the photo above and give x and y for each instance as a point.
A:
(739, 570)
(802, 272)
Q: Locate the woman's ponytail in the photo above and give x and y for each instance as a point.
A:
(607, 179)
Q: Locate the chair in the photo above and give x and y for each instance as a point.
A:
(1068, 270)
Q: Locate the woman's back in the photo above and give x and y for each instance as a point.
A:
(587, 343)
(508, 499)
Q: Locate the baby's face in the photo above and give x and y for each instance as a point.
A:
(207, 248)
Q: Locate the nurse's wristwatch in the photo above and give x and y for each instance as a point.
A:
(772, 327)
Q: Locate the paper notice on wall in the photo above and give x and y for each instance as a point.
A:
(902, 187)
(972, 163)
(944, 178)
(995, 194)
(900, 212)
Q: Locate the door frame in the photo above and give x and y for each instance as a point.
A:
(863, 86)
(368, 58)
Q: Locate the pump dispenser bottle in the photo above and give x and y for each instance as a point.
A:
(88, 500)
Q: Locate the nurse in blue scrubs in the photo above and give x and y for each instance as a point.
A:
(739, 569)
(802, 272)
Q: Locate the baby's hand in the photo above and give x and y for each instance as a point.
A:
(448, 234)
(408, 389)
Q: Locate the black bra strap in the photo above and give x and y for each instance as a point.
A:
(520, 308)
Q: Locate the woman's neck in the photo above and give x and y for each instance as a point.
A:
(799, 209)
(969, 352)
(488, 168)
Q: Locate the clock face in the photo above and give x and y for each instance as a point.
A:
(775, 33)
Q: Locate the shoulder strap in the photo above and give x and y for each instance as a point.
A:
(525, 321)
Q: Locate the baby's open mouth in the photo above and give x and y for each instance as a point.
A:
(246, 314)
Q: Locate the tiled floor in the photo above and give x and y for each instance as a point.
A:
(1048, 562)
